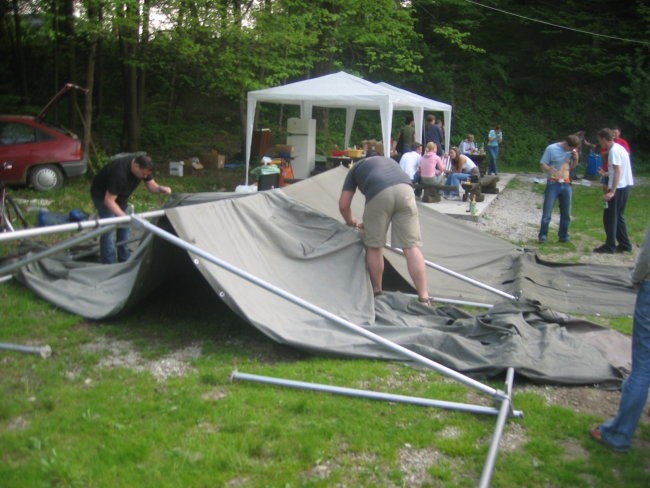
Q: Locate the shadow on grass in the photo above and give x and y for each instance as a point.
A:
(187, 310)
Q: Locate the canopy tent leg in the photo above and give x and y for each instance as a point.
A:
(43, 351)
(504, 412)
(373, 395)
(460, 276)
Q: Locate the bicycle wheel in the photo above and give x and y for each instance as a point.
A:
(10, 213)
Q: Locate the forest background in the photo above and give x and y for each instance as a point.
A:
(171, 77)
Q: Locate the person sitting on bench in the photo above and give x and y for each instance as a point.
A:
(432, 169)
(462, 168)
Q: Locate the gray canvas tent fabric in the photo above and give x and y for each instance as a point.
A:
(451, 243)
(291, 244)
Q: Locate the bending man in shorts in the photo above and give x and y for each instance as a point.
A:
(389, 200)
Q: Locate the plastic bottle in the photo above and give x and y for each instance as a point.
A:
(472, 206)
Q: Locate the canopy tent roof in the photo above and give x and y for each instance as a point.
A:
(343, 90)
(422, 104)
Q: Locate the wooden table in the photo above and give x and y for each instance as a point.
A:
(481, 162)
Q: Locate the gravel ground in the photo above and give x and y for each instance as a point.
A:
(515, 216)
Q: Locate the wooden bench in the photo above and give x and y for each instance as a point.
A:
(486, 184)
(431, 193)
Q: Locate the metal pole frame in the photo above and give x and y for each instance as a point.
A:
(460, 276)
(54, 249)
(75, 226)
(500, 397)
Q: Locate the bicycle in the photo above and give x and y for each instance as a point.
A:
(10, 213)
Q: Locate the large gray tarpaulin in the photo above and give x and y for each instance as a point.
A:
(290, 239)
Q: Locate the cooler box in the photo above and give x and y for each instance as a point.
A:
(594, 162)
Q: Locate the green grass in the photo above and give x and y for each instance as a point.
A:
(94, 413)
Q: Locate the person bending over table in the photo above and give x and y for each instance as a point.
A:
(462, 169)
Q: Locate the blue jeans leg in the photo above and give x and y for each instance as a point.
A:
(107, 249)
(454, 179)
(550, 195)
(619, 431)
(565, 196)
(493, 152)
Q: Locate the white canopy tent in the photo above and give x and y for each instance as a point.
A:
(343, 90)
(423, 104)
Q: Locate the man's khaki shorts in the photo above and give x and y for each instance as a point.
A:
(393, 206)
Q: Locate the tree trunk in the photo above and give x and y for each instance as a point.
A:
(20, 59)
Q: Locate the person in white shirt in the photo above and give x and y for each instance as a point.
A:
(410, 161)
(615, 199)
(468, 146)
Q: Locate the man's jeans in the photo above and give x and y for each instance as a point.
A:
(107, 249)
(618, 432)
(554, 191)
(493, 152)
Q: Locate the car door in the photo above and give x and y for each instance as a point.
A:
(16, 150)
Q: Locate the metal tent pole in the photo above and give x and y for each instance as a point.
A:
(504, 412)
(44, 351)
(54, 249)
(458, 302)
(373, 395)
(323, 313)
(75, 226)
(460, 276)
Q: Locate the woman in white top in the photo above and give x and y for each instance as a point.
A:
(462, 168)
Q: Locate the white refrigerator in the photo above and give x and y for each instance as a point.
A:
(301, 134)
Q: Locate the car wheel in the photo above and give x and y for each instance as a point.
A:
(46, 177)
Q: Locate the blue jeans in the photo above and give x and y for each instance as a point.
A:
(554, 191)
(108, 251)
(454, 179)
(493, 152)
(618, 432)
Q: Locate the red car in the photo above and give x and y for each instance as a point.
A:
(38, 154)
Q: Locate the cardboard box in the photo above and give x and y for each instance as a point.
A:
(210, 159)
(281, 149)
(192, 166)
(176, 168)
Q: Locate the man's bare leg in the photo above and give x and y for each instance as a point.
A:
(375, 264)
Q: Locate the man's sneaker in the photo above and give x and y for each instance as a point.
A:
(542, 239)
(620, 248)
(605, 249)
(565, 240)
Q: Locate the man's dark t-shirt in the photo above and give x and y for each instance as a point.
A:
(374, 174)
(117, 178)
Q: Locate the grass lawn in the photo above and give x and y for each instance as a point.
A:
(146, 399)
